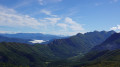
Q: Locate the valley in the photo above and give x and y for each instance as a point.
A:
(87, 50)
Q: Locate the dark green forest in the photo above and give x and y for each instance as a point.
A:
(92, 49)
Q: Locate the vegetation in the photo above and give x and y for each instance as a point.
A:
(106, 54)
(74, 51)
(21, 54)
(78, 44)
(106, 59)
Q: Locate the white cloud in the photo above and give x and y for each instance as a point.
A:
(62, 25)
(73, 25)
(70, 27)
(50, 21)
(48, 13)
(118, 27)
(115, 0)
(22, 3)
(53, 21)
(56, 0)
(41, 2)
(9, 17)
(115, 28)
(37, 41)
(45, 2)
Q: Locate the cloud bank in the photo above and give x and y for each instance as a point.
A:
(115, 28)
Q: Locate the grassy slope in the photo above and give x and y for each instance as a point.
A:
(107, 59)
(105, 55)
(41, 55)
(23, 54)
(78, 44)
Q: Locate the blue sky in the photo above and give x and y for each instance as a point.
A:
(59, 17)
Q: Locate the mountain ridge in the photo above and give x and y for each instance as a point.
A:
(106, 54)
(53, 54)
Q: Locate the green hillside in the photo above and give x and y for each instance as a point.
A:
(59, 53)
(100, 59)
(106, 54)
(78, 44)
(24, 54)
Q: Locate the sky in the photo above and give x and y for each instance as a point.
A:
(59, 17)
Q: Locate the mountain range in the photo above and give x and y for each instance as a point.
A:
(29, 38)
(37, 36)
(82, 50)
(18, 40)
(106, 54)
(78, 44)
